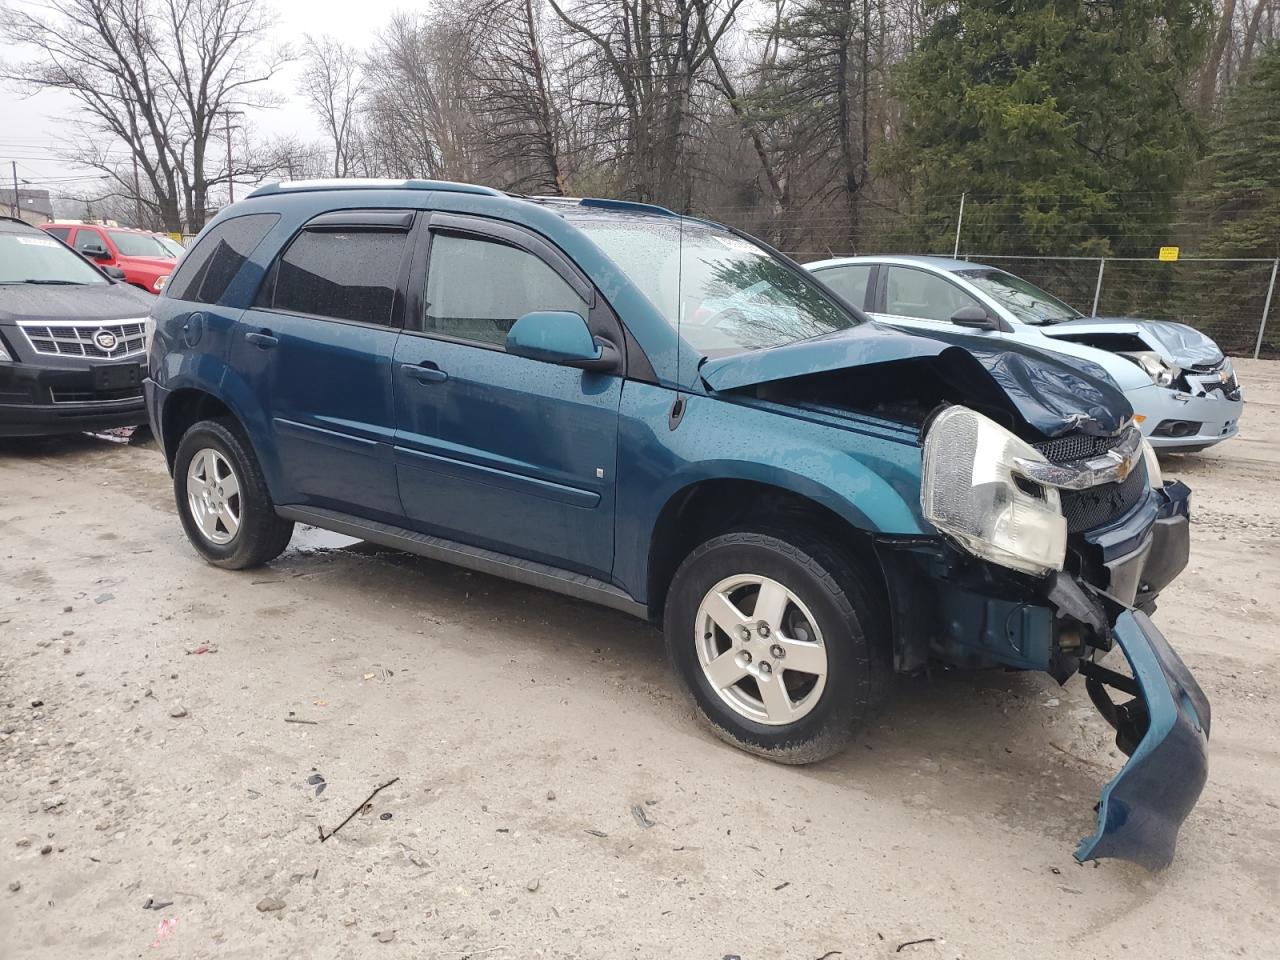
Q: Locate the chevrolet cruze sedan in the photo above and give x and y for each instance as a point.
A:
(1183, 390)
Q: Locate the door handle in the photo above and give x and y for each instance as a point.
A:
(425, 372)
(263, 339)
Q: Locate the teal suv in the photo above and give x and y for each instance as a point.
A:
(667, 417)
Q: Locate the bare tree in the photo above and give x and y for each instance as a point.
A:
(333, 82)
(159, 77)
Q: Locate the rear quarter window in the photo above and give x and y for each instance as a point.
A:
(208, 269)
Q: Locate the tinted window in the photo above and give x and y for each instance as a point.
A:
(88, 238)
(925, 296)
(345, 275)
(208, 269)
(60, 232)
(850, 282)
(477, 289)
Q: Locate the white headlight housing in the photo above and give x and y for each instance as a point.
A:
(971, 489)
(1154, 476)
(1162, 374)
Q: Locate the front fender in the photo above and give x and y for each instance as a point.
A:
(869, 477)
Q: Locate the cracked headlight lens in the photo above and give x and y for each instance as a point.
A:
(971, 489)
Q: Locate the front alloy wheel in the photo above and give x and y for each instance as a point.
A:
(759, 649)
(781, 640)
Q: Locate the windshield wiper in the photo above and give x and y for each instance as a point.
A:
(67, 283)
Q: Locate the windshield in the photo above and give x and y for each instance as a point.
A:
(173, 246)
(722, 292)
(1024, 300)
(25, 258)
(138, 244)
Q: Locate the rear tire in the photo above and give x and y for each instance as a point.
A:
(223, 500)
(805, 659)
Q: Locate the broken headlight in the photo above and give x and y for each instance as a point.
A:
(971, 489)
(1161, 372)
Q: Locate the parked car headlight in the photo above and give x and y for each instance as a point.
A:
(1154, 476)
(1162, 373)
(159, 283)
(971, 490)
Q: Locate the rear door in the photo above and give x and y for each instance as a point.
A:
(494, 450)
(316, 350)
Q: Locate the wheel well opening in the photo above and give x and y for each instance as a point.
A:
(712, 507)
(184, 408)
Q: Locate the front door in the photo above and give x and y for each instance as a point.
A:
(917, 299)
(316, 349)
(494, 450)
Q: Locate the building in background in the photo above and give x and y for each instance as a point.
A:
(33, 206)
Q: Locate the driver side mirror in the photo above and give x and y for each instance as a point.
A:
(561, 336)
(974, 316)
(95, 251)
(115, 273)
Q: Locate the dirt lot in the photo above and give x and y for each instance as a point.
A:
(532, 735)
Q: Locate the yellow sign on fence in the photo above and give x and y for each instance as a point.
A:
(1169, 253)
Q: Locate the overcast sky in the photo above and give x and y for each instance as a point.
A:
(30, 130)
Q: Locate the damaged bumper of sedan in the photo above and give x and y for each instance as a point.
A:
(1063, 621)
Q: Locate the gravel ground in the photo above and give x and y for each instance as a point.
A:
(554, 796)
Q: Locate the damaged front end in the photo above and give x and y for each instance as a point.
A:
(951, 606)
(1055, 534)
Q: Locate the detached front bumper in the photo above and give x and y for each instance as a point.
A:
(1164, 729)
(948, 606)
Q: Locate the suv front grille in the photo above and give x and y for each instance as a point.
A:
(74, 338)
(1086, 509)
(1077, 446)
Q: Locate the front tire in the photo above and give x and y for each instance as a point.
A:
(781, 641)
(223, 500)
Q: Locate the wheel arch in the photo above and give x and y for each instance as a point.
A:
(707, 507)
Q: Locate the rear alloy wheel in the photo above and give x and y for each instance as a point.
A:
(223, 499)
(781, 641)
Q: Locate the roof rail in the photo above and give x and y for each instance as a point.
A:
(299, 186)
(600, 203)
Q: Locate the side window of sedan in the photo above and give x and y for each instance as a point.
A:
(850, 282)
(923, 296)
(476, 289)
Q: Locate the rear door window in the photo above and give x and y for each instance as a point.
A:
(207, 271)
(342, 274)
(62, 233)
(476, 289)
(850, 282)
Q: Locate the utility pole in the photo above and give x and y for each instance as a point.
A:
(137, 195)
(231, 180)
(17, 212)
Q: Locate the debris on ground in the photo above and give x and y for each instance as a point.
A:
(15, 886)
(177, 711)
(551, 794)
(154, 904)
(532, 885)
(325, 836)
(385, 936)
(165, 930)
(912, 943)
(642, 817)
(103, 598)
(270, 905)
(317, 781)
(597, 833)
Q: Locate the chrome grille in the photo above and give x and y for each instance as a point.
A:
(75, 338)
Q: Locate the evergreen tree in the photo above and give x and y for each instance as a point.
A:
(1063, 121)
(1243, 167)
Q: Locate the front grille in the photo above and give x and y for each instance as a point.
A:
(1077, 446)
(1086, 509)
(96, 396)
(63, 338)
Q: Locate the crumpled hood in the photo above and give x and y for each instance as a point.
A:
(1053, 395)
(90, 302)
(1177, 343)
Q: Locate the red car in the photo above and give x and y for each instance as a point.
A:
(145, 261)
